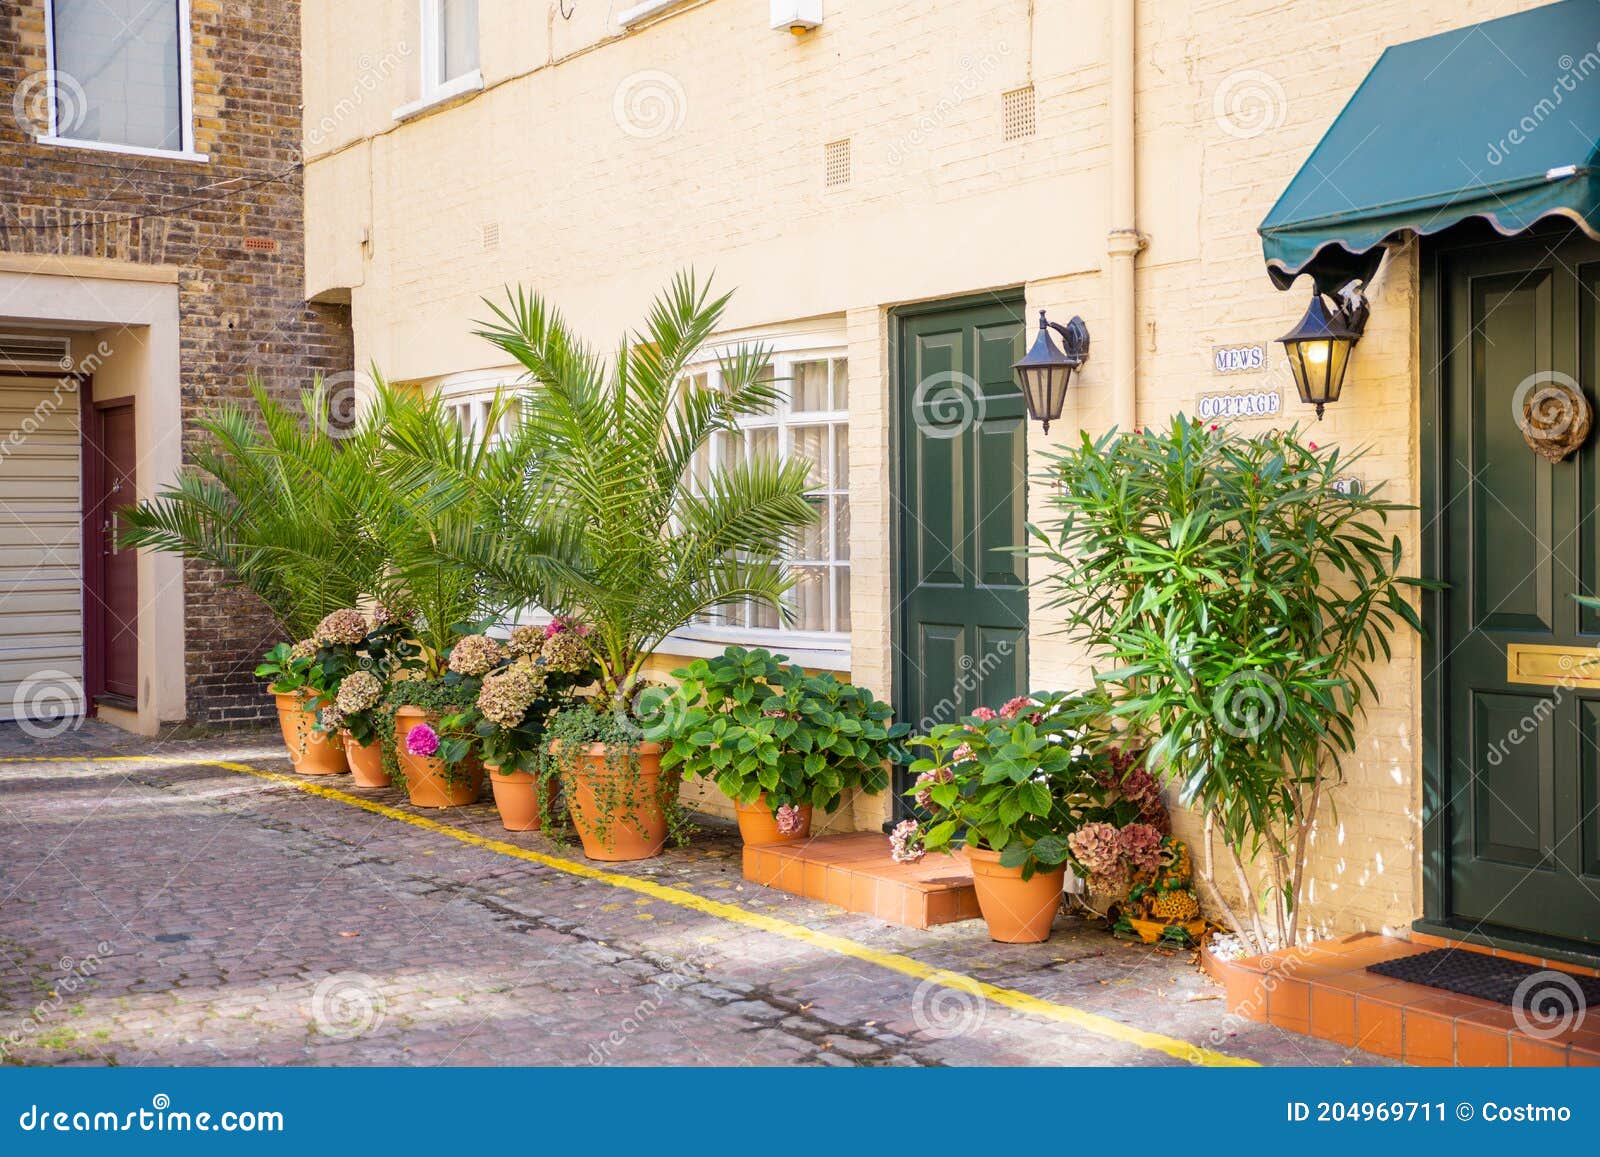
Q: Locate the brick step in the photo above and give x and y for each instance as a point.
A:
(1324, 990)
(854, 872)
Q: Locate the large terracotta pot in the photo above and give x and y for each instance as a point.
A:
(516, 794)
(366, 762)
(759, 827)
(1017, 911)
(618, 821)
(428, 782)
(311, 751)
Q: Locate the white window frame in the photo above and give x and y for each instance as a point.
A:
(822, 650)
(436, 89)
(185, 96)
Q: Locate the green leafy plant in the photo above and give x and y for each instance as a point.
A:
(755, 724)
(1017, 782)
(576, 727)
(1234, 594)
(288, 669)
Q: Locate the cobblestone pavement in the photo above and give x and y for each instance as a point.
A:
(163, 913)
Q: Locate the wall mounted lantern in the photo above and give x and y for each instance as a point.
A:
(798, 16)
(1319, 347)
(1046, 372)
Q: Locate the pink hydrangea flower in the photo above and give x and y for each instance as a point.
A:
(961, 754)
(925, 781)
(1015, 706)
(422, 740)
(905, 843)
(1098, 848)
(984, 713)
(788, 819)
(1141, 846)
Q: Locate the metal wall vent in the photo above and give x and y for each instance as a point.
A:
(836, 163)
(489, 235)
(1016, 113)
(26, 351)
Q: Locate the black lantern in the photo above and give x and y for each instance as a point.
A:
(1046, 372)
(1319, 347)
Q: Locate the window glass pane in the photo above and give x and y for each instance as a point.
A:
(763, 442)
(811, 443)
(120, 79)
(810, 598)
(763, 615)
(841, 526)
(841, 584)
(458, 38)
(841, 385)
(810, 386)
(841, 458)
(813, 544)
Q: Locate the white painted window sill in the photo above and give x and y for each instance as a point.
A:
(463, 85)
(628, 17)
(823, 654)
(128, 150)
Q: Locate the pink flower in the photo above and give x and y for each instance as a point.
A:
(961, 754)
(925, 780)
(788, 819)
(984, 713)
(1098, 848)
(1141, 846)
(422, 740)
(905, 843)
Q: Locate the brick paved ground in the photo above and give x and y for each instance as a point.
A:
(156, 913)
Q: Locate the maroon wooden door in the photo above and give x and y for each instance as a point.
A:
(111, 588)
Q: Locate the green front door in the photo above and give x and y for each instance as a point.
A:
(962, 629)
(1519, 760)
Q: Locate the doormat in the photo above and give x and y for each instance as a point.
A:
(1541, 990)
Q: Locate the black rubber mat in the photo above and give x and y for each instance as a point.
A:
(1491, 978)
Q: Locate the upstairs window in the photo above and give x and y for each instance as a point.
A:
(449, 47)
(120, 75)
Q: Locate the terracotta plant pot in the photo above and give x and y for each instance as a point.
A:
(1017, 911)
(759, 827)
(516, 795)
(311, 751)
(428, 782)
(618, 821)
(366, 763)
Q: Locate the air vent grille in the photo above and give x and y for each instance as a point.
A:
(260, 245)
(23, 351)
(1016, 113)
(836, 163)
(489, 235)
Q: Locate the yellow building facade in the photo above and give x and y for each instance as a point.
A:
(1109, 159)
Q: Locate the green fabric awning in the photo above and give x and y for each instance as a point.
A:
(1499, 120)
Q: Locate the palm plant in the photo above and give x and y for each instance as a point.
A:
(602, 519)
(280, 501)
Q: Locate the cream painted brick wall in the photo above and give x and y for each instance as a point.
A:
(598, 211)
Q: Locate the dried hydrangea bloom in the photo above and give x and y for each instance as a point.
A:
(925, 781)
(330, 719)
(345, 626)
(1098, 848)
(525, 640)
(387, 614)
(304, 649)
(360, 691)
(422, 740)
(565, 652)
(905, 843)
(506, 696)
(476, 655)
(788, 819)
(1141, 847)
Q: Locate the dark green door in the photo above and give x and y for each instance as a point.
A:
(962, 629)
(1520, 758)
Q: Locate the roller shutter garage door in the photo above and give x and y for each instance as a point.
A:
(41, 594)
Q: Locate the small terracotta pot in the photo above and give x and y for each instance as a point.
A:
(1017, 911)
(638, 829)
(759, 827)
(366, 763)
(428, 782)
(311, 751)
(516, 795)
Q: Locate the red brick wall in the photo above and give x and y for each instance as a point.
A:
(242, 312)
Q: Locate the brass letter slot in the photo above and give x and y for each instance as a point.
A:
(1553, 666)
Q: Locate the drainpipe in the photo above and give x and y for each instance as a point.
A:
(1124, 241)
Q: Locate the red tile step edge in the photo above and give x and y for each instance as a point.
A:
(1324, 990)
(854, 871)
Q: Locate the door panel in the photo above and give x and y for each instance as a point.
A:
(963, 616)
(112, 597)
(1519, 543)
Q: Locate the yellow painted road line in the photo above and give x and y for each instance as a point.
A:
(893, 961)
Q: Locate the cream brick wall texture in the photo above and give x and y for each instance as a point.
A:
(610, 157)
